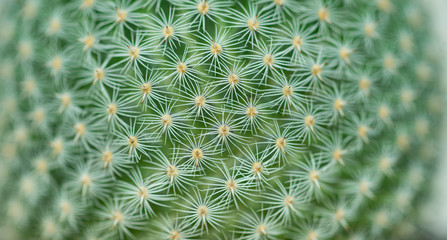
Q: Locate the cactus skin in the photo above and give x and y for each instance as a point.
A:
(182, 119)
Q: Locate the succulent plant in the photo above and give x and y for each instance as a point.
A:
(215, 119)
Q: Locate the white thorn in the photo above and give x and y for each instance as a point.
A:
(317, 184)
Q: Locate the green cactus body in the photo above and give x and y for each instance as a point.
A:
(216, 119)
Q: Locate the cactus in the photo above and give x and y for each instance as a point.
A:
(215, 119)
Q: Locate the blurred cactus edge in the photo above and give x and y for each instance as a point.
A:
(217, 119)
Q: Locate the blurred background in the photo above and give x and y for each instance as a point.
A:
(434, 214)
